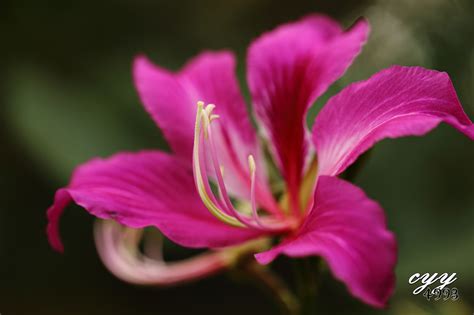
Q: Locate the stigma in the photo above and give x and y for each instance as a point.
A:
(221, 206)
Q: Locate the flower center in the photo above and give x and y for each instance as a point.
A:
(221, 207)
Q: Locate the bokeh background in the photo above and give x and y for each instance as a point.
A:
(66, 95)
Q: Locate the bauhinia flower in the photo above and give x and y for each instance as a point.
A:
(213, 190)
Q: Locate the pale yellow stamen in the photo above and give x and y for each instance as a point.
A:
(251, 161)
(203, 119)
(253, 201)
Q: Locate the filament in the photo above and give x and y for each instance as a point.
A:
(222, 208)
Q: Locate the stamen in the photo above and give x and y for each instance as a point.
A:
(223, 208)
(202, 163)
(201, 187)
(253, 200)
(220, 184)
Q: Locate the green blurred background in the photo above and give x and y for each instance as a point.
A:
(66, 95)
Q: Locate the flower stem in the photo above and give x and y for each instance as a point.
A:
(306, 275)
(272, 284)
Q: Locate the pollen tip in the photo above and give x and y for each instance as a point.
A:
(209, 108)
(200, 104)
(251, 161)
(221, 168)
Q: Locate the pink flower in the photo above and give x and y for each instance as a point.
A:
(318, 213)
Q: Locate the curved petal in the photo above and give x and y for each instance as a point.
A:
(171, 99)
(288, 68)
(144, 189)
(348, 230)
(119, 249)
(399, 101)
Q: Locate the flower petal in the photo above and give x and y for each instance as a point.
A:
(288, 68)
(166, 99)
(171, 99)
(348, 230)
(399, 101)
(145, 189)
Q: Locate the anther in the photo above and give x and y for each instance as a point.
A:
(251, 161)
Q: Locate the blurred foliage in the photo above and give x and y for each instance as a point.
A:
(67, 95)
